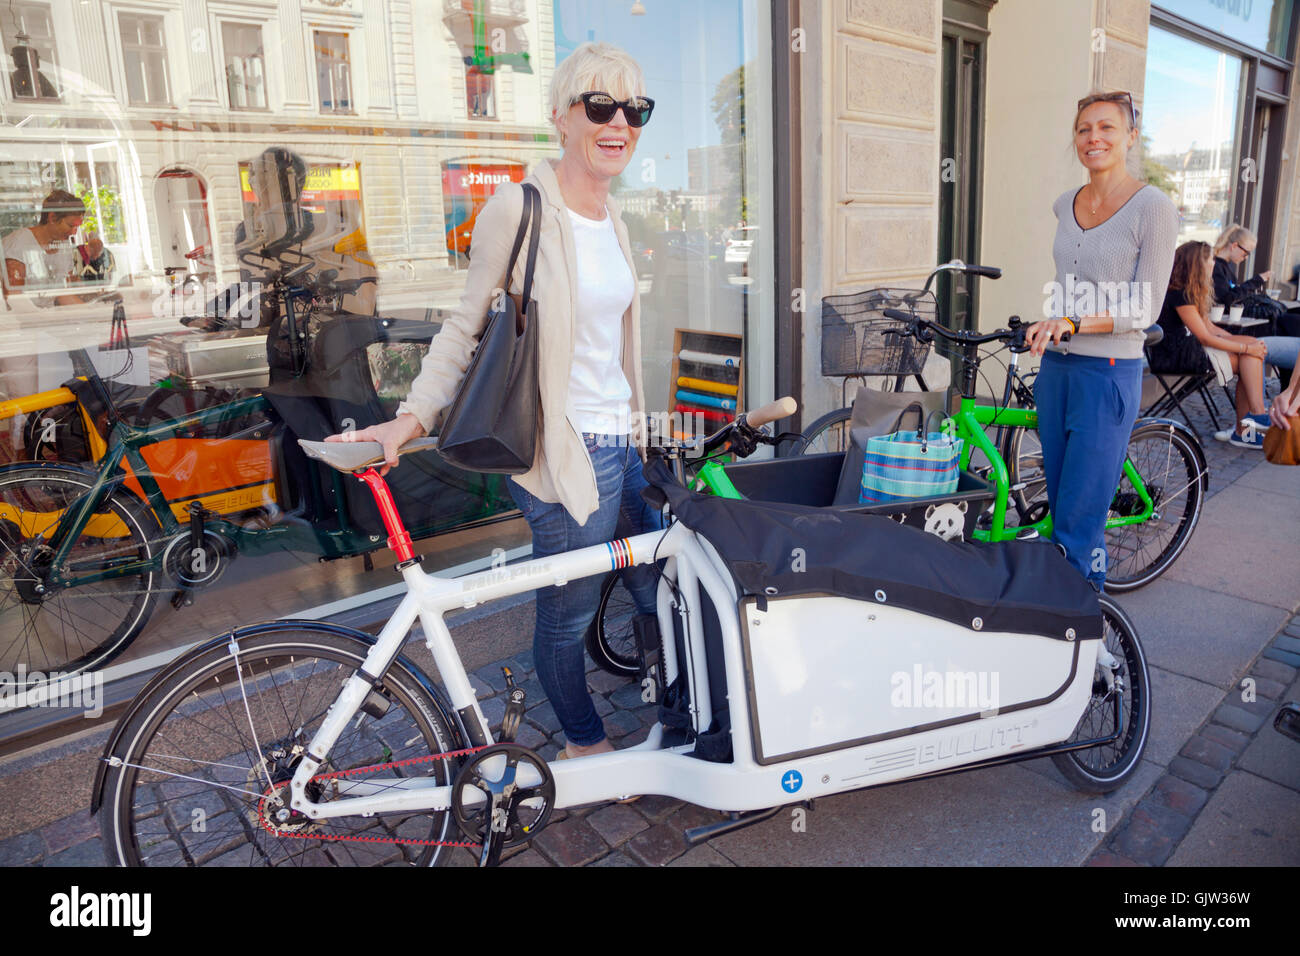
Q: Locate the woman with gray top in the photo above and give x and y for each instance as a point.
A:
(1114, 250)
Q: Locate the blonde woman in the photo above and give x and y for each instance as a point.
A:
(586, 480)
(1232, 248)
(1115, 232)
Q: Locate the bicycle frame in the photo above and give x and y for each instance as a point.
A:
(747, 782)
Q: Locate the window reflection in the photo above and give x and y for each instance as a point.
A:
(28, 34)
(406, 119)
(1190, 123)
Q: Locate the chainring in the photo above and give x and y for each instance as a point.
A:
(493, 772)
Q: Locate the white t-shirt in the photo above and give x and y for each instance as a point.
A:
(45, 270)
(599, 392)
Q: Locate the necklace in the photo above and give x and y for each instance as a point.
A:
(1105, 198)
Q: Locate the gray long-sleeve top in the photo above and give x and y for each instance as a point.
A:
(1120, 267)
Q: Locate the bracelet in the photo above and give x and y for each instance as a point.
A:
(1073, 324)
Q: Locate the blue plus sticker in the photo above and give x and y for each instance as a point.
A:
(792, 781)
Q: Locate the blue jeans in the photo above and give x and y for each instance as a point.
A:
(1086, 409)
(1282, 350)
(564, 613)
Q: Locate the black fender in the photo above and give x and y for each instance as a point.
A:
(55, 465)
(113, 484)
(440, 701)
(1203, 466)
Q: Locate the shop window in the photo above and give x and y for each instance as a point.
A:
(333, 72)
(1191, 125)
(144, 58)
(181, 205)
(331, 197)
(245, 66)
(479, 98)
(1263, 24)
(466, 187)
(28, 34)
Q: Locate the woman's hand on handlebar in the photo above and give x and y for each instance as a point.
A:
(1051, 331)
(391, 435)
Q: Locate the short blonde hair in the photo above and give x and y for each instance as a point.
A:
(591, 67)
(1235, 233)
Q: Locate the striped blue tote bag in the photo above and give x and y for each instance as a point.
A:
(906, 465)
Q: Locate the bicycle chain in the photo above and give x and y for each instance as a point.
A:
(339, 837)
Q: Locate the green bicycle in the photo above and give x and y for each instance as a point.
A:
(1152, 517)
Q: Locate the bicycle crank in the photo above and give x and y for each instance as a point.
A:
(490, 805)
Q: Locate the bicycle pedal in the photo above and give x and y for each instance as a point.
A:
(515, 705)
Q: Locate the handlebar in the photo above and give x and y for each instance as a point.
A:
(925, 330)
(744, 434)
(771, 412)
(956, 265)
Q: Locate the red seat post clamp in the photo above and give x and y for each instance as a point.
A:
(399, 539)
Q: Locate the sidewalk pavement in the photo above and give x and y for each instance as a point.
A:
(1217, 784)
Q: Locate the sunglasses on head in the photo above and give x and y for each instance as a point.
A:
(601, 108)
(1123, 98)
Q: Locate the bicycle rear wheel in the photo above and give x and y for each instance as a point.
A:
(46, 627)
(214, 746)
(1173, 471)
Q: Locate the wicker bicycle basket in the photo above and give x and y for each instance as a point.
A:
(853, 327)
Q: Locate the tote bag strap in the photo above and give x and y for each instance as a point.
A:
(519, 236)
(533, 211)
(920, 418)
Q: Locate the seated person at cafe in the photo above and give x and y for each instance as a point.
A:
(39, 256)
(1188, 332)
(1233, 247)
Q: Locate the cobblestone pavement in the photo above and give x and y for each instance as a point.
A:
(1223, 787)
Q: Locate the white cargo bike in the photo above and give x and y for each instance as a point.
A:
(799, 652)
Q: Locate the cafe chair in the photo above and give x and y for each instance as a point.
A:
(1178, 386)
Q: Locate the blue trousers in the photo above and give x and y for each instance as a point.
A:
(564, 613)
(1086, 409)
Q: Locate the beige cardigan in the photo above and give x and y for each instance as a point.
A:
(562, 470)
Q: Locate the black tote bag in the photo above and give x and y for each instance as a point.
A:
(491, 424)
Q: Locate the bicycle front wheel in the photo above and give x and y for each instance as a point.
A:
(1172, 471)
(1121, 698)
(80, 615)
(830, 433)
(208, 758)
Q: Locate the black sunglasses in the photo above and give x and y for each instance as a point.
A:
(1120, 97)
(601, 108)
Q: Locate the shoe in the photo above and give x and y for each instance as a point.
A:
(1223, 434)
(1262, 420)
(1256, 440)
